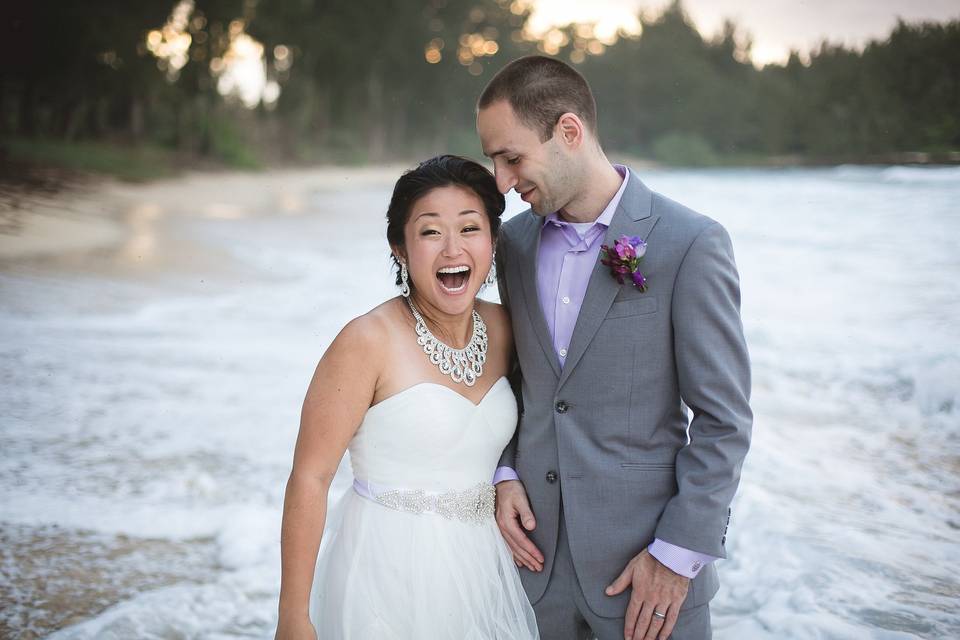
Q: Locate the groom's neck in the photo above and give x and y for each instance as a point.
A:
(599, 182)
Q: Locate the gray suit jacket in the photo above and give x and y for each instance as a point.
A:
(607, 435)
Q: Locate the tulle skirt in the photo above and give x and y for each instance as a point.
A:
(389, 575)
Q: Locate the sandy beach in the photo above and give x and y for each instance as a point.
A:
(102, 214)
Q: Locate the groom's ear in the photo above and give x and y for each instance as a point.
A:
(570, 130)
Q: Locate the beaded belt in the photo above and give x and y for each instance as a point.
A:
(475, 504)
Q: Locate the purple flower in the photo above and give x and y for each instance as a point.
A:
(640, 247)
(625, 251)
(624, 260)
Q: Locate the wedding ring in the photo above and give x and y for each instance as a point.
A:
(657, 614)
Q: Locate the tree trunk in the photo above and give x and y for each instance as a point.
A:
(376, 133)
(136, 118)
(75, 116)
(27, 122)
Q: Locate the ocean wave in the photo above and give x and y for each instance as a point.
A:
(948, 175)
(898, 173)
(935, 386)
(854, 172)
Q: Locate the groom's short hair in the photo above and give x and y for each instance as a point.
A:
(540, 90)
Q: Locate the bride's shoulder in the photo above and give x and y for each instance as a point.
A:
(371, 326)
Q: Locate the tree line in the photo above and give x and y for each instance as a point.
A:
(374, 80)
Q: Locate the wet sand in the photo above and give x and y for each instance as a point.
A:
(101, 214)
(51, 577)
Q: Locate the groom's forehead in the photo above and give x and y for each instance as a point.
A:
(494, 152)
(498, 117)
(502, 135)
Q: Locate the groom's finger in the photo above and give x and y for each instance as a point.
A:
(526, 516)
(510, 527)
(515, 540)
(643, 620)
(528, 547)
(525, 558)
(630, 619)
(622, 582)
(672, 614)
(521, 545)
(510, 530)
(525, 563)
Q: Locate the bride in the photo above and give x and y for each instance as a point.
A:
(416, 389)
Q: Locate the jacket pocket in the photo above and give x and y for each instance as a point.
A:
(627, 308)
(653, 466)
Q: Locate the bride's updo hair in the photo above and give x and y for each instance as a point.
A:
(441, 171)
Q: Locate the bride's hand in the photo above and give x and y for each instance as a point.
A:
(295, 629)
(513, 508)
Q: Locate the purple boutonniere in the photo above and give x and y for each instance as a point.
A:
(624, 260)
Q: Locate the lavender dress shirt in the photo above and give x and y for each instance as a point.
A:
(567, 254)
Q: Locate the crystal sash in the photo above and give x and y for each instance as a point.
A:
(474, 504)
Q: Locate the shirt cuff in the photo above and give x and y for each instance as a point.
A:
(504, 473)
(679, 560)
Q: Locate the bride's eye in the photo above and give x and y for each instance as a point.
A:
(472, 227)
(427, 232)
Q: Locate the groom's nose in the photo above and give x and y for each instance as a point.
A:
(506, 180)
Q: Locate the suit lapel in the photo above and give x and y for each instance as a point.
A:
(529, 245)
(633, 218)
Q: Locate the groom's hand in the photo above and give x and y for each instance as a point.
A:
(655, 588)
(513, 510)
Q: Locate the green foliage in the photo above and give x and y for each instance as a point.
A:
(684, 149)
(132, 163)
(361, 88)
(227, 144)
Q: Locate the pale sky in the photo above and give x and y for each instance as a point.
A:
(775, 25)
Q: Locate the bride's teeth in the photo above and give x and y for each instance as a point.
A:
(449, 276)
(454, 269)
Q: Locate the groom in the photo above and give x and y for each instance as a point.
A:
(613, 500)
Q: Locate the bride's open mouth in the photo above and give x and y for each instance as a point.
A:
(454, 279)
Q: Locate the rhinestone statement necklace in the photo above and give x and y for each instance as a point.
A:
(462, 365)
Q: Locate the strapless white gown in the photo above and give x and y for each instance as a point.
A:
(388, 574)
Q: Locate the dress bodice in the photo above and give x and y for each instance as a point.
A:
(430, 437)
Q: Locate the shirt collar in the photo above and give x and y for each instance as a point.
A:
(607, 214)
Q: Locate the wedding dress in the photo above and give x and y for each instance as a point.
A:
(413, 551)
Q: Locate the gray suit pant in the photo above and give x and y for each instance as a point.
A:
(563, 612)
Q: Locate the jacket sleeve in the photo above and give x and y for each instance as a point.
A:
(508, 457)
(713, 369)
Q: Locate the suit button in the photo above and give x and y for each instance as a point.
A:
(551, 476)
(561, 407)
(723, 540)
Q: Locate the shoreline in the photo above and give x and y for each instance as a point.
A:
(77, 214)
(103, 213)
